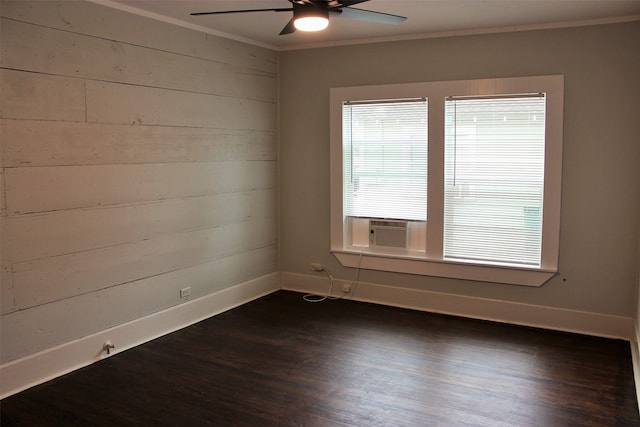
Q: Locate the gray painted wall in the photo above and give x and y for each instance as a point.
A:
(138, 158)
(601, 173)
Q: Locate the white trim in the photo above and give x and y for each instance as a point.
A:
(442, 268)
(440, 34)
(35, 369)
(469, 32)
(179, 22)
(635, 359)
(559, 319)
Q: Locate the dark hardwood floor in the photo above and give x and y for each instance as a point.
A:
(280, 361)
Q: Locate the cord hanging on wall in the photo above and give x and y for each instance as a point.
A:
(348, 289)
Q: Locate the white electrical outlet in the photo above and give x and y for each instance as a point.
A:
(185, 292)
(315, 266)
(346, 288)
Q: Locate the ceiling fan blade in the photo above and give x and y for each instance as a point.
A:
(344, 3)
(289, 28)
(371, 16)
(242, 11)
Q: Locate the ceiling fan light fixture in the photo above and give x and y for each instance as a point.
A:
(310, 18)
(311, 23)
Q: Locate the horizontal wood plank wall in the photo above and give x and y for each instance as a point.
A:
(137, 158)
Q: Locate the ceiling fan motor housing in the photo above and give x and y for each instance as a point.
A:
(307, 10)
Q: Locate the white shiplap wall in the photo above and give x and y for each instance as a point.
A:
(137, 158)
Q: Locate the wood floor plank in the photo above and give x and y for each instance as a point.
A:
(280, 361)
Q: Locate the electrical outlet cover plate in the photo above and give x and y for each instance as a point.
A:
(185, 292)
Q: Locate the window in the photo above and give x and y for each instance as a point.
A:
(494, 176)
(385, 159)
(481, 157)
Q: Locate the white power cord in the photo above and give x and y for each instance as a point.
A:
(320, 298)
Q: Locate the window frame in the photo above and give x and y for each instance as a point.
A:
(431, 262)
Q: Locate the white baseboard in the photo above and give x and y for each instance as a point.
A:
(635, 359)
(35, 369)
(559, 319)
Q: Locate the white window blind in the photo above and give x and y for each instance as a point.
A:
(385, 159)
(494, 177)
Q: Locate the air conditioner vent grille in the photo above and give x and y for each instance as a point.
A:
(388, 233)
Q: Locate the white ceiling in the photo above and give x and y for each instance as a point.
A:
(426, 18)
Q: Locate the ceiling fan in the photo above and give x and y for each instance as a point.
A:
(313, 15)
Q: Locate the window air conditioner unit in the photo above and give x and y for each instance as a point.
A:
(388, 233)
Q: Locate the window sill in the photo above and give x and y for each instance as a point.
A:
(418, 264)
